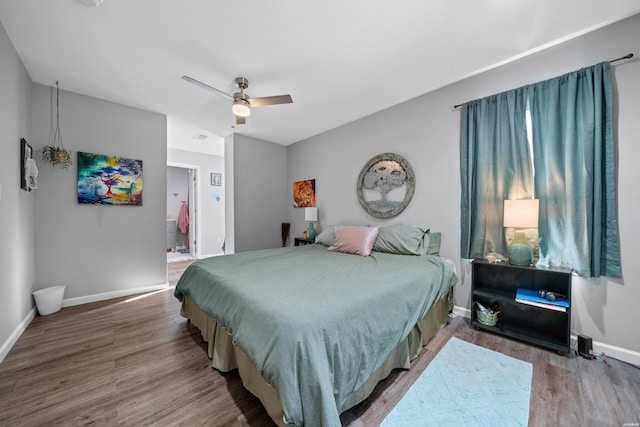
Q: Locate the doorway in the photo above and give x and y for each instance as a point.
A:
(182, 213)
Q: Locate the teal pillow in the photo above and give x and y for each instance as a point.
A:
(431, 243)
(326, 236)
(401, 240)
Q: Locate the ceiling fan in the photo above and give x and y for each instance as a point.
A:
(242, 103)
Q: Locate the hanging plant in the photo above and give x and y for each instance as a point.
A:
(54, 152)
(57, 156)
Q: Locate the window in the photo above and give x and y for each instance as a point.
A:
(552, 140)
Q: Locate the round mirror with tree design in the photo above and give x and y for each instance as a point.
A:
(386, 185)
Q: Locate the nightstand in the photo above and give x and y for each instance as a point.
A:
(299, 241)
(543, 326)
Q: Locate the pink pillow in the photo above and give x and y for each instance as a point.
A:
(354, 240)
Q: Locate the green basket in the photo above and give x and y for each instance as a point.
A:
(487, 319)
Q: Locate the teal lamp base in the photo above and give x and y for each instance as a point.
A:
(519, 251)
(311, 232)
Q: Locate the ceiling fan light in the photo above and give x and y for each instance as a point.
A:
(241, 107)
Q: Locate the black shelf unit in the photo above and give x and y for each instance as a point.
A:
(498, 282)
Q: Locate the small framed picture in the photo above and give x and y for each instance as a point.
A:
(216, 179)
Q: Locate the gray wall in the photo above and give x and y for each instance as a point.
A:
(99, 251)
(17, 251)
(426, 131)
(211, 210)
(256, 173)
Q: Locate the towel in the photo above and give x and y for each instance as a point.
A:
(30, 174)
(183, 218)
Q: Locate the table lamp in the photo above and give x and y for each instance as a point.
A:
(520, 214)
(311, 215)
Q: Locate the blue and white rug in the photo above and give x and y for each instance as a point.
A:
(466, 385)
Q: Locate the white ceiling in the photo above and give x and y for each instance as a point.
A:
(340, 60)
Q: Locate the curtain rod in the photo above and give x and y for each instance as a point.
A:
(627, 56)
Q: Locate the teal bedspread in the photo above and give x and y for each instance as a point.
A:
(316, 323)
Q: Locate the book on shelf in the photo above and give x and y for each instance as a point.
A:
(541, 304)
(530, 297)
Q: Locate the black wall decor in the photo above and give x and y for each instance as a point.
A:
(26, 152)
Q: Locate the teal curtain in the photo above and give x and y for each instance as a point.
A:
(573, 152)
(495, 165)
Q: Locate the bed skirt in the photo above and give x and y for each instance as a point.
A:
(226, 357)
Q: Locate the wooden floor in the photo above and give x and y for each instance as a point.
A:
(134, 361)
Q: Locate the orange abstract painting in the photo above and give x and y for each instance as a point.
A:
(304, 193)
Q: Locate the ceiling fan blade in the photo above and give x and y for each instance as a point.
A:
(270, 100)
(240, 120)
(207, 87)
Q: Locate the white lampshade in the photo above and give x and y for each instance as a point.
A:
(521, 213)
(310, 214)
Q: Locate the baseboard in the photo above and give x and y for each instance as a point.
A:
(619, 353)
(461, 311)
(13, 338)
(69, 302)
(608, 350)
(203, 256)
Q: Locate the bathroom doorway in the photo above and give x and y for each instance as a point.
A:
(182, 212)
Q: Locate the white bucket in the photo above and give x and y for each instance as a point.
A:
(49, 300)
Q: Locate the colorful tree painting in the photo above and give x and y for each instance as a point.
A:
(109, 180)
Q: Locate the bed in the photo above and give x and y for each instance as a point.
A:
(312, 329)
